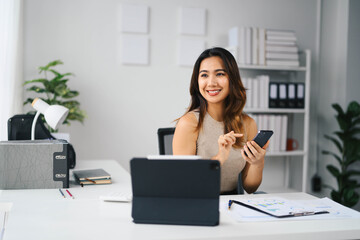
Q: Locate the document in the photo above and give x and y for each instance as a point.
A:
(281, 206)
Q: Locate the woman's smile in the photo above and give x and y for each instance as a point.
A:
(213, 92)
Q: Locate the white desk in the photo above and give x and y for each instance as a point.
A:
(44, 214)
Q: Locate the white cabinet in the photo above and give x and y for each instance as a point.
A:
(288, 167)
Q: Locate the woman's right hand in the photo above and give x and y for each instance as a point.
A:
(225, 143)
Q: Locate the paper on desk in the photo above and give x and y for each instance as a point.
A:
(244, 214)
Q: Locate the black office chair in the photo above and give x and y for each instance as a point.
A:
(165, 137)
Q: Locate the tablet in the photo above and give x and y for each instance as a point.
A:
(175, 191)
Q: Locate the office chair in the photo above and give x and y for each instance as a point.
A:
(165, 137)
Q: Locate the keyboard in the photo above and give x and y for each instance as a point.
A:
(117, 197)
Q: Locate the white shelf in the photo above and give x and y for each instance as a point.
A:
(275, 68)
(274, 110)
(284, 154)
(306, 111)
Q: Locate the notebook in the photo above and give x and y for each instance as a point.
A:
(92, 176)
(175, 191)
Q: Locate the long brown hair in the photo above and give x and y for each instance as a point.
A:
(234, 102)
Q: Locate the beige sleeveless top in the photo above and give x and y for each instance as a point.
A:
(207, 147)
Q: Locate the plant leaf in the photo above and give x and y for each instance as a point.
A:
(340, 135)
(338, 108)
(336, 196)
(36, 89)
(61, 90)
(40, 80)
(352, 172)
(57, 74)
(50, 64)
(350, 197)
(354, 131)
(343, 122)
(356, 121)
(335, 141)
(29, 100)
(351, 159)
(353, 109)
(334, 155)
(333, 170)
(71, 94)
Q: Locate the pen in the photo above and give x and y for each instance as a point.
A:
(62, 193)
(230, 203)
(70, 194)
(90, 180)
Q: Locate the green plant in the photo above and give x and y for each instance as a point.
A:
(56, 91)
(348, 146)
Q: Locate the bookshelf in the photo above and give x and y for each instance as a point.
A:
(298, 118)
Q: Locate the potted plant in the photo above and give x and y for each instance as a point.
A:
(54, 90)
(348, 146)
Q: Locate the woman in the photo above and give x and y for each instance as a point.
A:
(215, 126)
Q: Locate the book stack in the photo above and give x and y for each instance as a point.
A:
(92, 176)
(276, 123)
(259, 46)
(281, 48)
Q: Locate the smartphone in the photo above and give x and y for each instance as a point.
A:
(262, 137)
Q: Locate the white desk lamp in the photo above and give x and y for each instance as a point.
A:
(54, 114)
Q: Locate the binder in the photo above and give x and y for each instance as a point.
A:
(284, 124)
(272, 126)
(283, 95)
(277, 133)
(255, 93)
(300, 95)
(264, 91)
(273, 95)
(248, 40)
(292, 95)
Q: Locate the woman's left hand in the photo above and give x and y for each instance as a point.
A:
(255, 154)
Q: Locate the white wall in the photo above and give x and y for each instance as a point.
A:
(127, 104)
(353, 57)
(353, 63)
(332, 77)
(339, 74)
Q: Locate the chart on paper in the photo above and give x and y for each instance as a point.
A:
(278, 206)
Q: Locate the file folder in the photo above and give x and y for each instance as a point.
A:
(283, 95)
(273, 95)
(300, 95)
(292, 95)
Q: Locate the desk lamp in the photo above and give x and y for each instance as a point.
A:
(54, 114)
